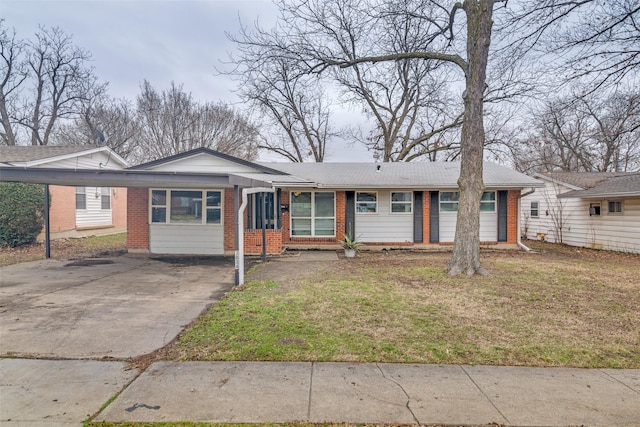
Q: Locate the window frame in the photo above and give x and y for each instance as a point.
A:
(455, 200)
(366, 212)
(537, 209)
(403, 203)
(204, 208)
(312, 218)
(105, 195)
(84, 198)
(619, 203)
(594, 205)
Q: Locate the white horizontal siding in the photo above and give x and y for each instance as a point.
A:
(89, 161)
(612, 232)
(93, 215)
(384, 226)
(204, 163)
(186, 239)
(488, 226)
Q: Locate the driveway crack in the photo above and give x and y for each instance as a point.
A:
(408, 404)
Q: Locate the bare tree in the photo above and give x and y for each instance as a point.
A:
(408, 102)
(58, 85)
(295, 111)
(594, 42)
(172, 122)
(105, 121)
(316, 47)
(583, 133)
(13, 74)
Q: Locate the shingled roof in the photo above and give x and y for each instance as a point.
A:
(583, 180)
(618, 185)
(30, 153)
(416, 175)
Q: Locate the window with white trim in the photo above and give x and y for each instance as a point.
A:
(449, 201)
(534, 210)
(488, 201)
(594, 209)
(366, 202)
(195, 207)
(105, 198)
(81, 197)
(313, 213)
(616, 207)
(401, 202)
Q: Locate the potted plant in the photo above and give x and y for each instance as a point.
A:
(350, 245)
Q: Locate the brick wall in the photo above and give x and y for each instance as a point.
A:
(512, 216)
(119, 207)
(425, 217)
(62, 212)
(138, 219)
(253, 241)
(229, 220)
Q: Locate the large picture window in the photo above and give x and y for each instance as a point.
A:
(313, 214)
(449, 201)
(401, 202)
(366, 202)
(186, 207)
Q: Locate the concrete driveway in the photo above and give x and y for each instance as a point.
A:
(117, 307)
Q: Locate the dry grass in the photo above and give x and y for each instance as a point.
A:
(557, 307)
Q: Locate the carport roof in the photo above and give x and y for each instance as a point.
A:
(125, 178)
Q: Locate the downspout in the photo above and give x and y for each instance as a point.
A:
(522, 245)
(240, 229)
(47, 223)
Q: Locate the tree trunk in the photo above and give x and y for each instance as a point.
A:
(466, 248)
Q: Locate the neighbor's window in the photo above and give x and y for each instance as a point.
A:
(366, 202)
(105, 198)
(401, 202)
(534, 210)
(81, 197)
(616, 207)
(313, 213)
(488, 201)
(186, 207)
(594, 209)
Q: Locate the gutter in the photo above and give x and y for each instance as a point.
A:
(519, 241)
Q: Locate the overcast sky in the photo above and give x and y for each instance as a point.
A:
(158, 40)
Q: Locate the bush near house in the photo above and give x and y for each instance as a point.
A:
(21, 213)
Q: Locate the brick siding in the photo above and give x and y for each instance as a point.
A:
(138, 219)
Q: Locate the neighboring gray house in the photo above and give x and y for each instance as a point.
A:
(599, 210)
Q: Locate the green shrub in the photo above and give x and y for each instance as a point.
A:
(21, 213)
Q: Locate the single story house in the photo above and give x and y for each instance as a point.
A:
(80, 207)
(313, 205)
(599, 210)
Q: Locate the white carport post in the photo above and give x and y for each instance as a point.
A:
(240, 230)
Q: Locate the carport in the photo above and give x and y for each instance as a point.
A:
(145, 179)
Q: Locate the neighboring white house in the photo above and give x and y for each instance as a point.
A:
(81, 207)
(599, 210)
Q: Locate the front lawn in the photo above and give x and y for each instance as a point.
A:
(557, 307)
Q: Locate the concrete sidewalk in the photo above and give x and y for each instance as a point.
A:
(252, 392)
